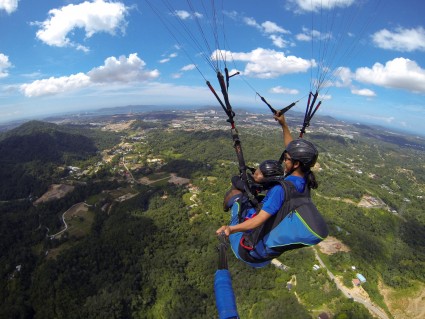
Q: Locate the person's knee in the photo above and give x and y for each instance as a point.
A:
(230, 197)
(238, 183)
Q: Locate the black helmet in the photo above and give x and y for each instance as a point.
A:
(271, 168)
(303, 151)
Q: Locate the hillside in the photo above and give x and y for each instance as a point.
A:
(141, 218)
(35, 152)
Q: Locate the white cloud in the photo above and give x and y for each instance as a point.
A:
(231, 14)
(399, 73)
(122, 70)
(266, 63)
(303, 37)
(4, 65)
(344, 77)
(168, 59)
(93, 17)
(32, 75)
(271, 27)
(282, 90)
(251, 22)
(9, 5)
(308, 34)
(53, 85)
(325, 97)
(363, 92)
(278, 41)
(188, 67)
(404, 40)
(317, 5)
(184, 15)
(266, 27)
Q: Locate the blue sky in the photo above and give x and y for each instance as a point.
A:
(67, 56)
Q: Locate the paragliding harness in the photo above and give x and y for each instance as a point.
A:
(297, 224)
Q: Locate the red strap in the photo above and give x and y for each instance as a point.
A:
(242, 243)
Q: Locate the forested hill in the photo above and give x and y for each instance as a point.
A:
(31, 154)
(144, 200)
(45, 142)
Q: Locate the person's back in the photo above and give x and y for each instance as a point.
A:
(297, 224)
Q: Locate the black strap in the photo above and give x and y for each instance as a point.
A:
(293, 199)
(224, 84)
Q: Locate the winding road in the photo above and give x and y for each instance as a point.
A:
(64, 222)
(375, 310)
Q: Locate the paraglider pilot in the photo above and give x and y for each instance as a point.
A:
(259, 234)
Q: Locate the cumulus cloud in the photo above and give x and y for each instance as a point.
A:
(267, 64)
(93, 17)
(282, 90)
(121, 70)
(404, 40)
(267, 27)
(54, 85)
(4, 65)
(315, 5)
(344, 77)
(399, 73)
(9, 5)
(363, 92)
(270, 29)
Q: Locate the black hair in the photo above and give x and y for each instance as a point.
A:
(312, 182)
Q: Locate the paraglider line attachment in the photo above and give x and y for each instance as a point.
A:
(282, 111)
(310, 110)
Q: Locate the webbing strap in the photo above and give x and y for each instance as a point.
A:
(224, 84)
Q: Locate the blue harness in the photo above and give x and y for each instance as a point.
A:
(297, 224)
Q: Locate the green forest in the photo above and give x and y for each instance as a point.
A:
(154, 255)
